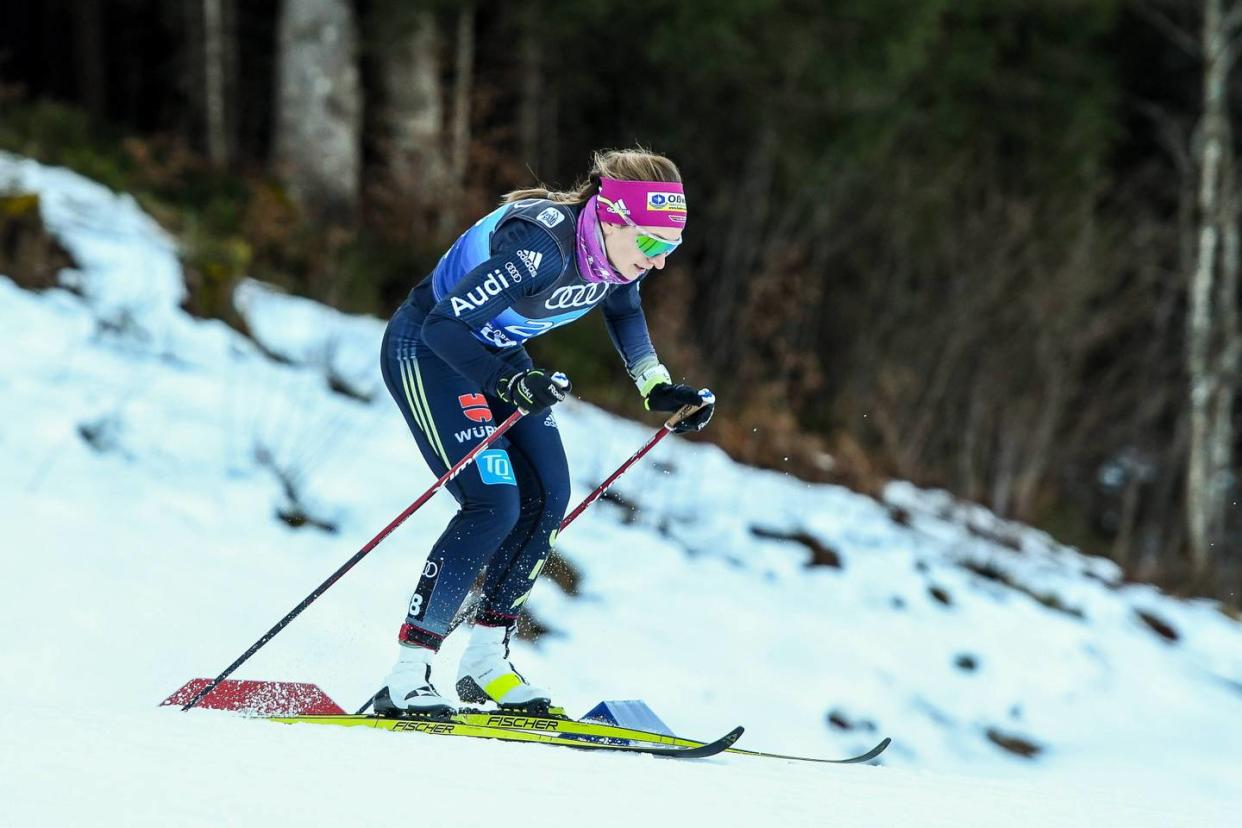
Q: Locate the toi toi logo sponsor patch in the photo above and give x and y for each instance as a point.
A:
(666, 202)
(495, 468)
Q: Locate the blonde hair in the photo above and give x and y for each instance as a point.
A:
(637, 164)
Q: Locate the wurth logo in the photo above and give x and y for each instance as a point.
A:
(475, 407)
(472, 434)
(531, 259)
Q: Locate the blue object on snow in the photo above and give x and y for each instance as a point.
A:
(633, 714)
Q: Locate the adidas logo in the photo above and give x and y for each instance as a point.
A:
(531, 259)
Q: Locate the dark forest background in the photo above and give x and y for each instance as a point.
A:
(986, 245)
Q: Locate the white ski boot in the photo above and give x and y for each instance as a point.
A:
(408, 690)
(486, 675)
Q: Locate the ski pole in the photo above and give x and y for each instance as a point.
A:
(360, 554)
(669, 424)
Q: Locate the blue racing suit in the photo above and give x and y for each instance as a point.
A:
(510, 277)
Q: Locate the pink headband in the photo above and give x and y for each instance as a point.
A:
(647, 203)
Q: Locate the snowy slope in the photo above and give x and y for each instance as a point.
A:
(145, 456)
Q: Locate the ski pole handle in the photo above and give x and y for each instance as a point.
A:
(684, 412)
(457, 469)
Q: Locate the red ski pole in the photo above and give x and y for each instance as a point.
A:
(360, 554)
(669, 425)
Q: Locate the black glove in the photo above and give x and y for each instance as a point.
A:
(668, 397)
(533, 389)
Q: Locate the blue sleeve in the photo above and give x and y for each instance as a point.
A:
(483, 293)
(627, 326)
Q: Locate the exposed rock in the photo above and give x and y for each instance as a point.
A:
(1016, 745)
(966, 662)
(1158, 626)
(562, 573)
(821, 554)
(840, 721)
(29, 255)
(530, 628)
(631, 508)
(988, 570)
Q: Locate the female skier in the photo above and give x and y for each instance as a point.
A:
(453, 360)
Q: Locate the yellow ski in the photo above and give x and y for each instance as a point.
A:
(543, 734)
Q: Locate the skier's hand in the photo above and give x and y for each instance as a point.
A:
(669, 397)
(533, 389)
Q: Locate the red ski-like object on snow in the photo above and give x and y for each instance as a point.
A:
(259, 698)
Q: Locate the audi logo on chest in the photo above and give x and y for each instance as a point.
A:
(575, 296)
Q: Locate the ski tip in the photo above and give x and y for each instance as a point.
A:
(729, 739)
(874, 752)
(705, 750)
(853, 760)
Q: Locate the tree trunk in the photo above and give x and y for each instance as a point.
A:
(463, 88)
(318, 125)
(219, 67)
(413, 143)
(1212, 335)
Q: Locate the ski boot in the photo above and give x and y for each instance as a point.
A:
(408, 690)
(485, 675)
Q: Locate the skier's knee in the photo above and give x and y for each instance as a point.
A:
(489, 515)
(505, 509)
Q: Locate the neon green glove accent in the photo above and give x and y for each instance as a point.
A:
(652, 377)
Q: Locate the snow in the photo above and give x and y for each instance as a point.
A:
(144, 457)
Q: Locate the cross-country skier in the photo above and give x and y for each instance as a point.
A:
(454, 362)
